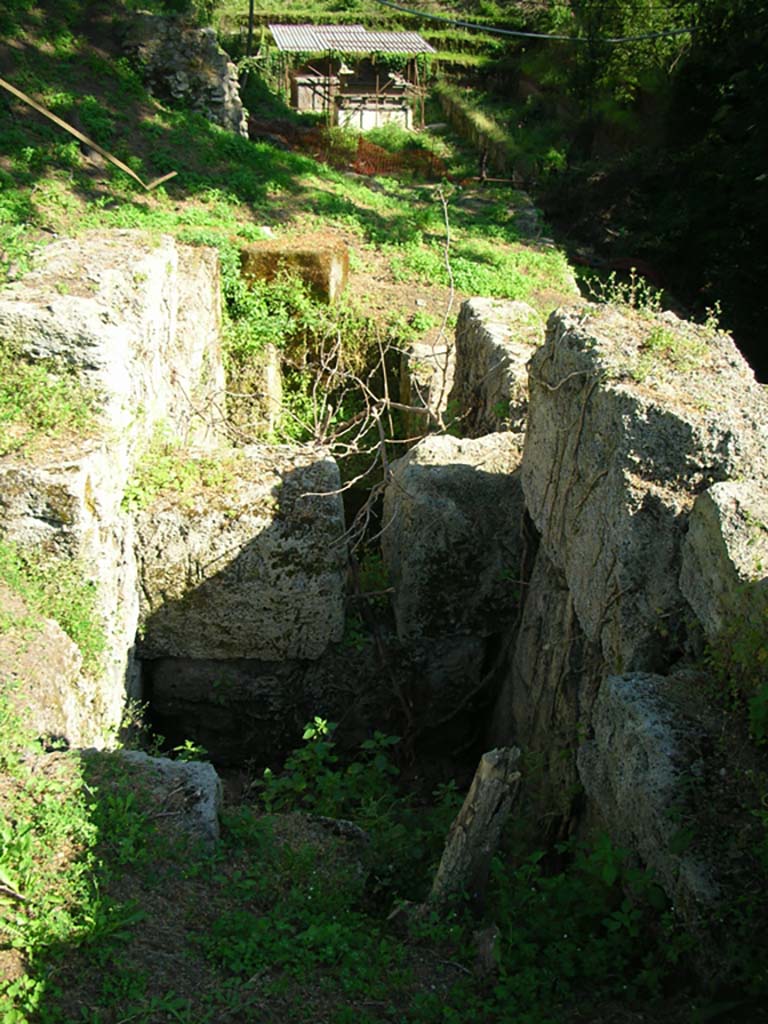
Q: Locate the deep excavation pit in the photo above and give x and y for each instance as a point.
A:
(548, 581)
(256, 617)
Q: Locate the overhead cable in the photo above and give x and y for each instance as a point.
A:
(519, 33)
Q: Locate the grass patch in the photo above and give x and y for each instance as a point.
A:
(56, 589)
(40, 400)
(167, 467)
(482, 268)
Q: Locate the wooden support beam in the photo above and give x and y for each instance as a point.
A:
(476, 830)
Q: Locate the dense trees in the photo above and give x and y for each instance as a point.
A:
(684, 181)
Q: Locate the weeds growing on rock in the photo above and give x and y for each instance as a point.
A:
(167, 466)
(634, 291)
(40, 400)
(667, 348)
(58, 589)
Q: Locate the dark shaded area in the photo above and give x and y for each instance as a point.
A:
(692, 199)
(436, 691)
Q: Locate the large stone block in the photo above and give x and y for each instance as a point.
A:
(637, 770)
(494, 341)
(320, 262)
(139, 319)
(546, 696)
(253, 569)
(189, 793)
(41, 676)
(724, 573)
(625, 427)
(452, 513)
(426, 376)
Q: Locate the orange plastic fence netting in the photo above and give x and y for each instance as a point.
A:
(372, 159)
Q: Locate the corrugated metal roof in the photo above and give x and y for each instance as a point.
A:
(346, 39)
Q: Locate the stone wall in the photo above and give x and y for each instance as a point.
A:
(648, 530)
(185, 63)
(251, 564)
(639, 526)
(562, 564)
(139, 319)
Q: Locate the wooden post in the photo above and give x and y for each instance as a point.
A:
(475, 833)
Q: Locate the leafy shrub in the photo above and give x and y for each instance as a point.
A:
(600, 922)
(406, 839)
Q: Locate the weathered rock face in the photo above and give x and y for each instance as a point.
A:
(186, 63)
(553, 676)
(451, 545)
(636, 769)
(255, 395)
(139, 319)
(41, 675)
(725, 555)
(617, 447)
(635, 521)
(239, 710)
(198, 370)
(254, 571)
(494, 341)
(426, 377)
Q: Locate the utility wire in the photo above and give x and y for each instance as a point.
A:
(538, 35)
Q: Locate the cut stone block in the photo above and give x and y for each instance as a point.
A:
(253, 569)
(322, 263)
(451, 542)
(494, 341)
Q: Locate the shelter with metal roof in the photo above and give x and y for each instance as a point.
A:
(345, 39)
(378, 88)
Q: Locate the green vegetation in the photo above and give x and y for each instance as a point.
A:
(479, 268)
(665, 347)
(739, 656)
(112, 916)
(54, 588)
(226, 191)
(478, 119)
(632, 291)
(166, 466)
(117, 918)
(41, 400)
